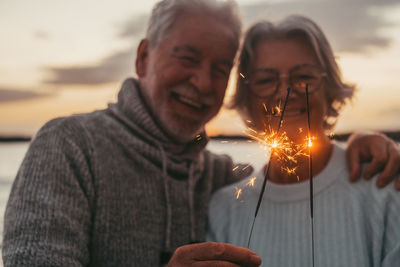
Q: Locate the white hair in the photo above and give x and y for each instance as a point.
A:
(295, 26)
(166, 12)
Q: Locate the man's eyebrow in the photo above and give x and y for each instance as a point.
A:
(186, 48)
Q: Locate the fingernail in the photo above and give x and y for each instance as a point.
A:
(255, 259)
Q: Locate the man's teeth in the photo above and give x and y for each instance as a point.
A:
(189, 101)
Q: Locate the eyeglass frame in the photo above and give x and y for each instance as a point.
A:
(280, 76)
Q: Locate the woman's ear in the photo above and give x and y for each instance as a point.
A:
(142, 57)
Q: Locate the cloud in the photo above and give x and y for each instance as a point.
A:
(351, 26)
(134, 27)
(391, 111)
(113, 68)
(41, 35)
(9, 95)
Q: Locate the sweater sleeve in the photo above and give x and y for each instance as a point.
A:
(391, 238)
(48, 219)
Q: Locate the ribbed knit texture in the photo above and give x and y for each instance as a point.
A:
(93, 190)
(355, 224)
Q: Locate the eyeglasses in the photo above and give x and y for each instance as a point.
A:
(266, 82)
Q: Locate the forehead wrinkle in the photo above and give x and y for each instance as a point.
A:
(186, 48)
(193, 50)
(298, 66)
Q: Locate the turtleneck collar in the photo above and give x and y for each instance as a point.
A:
(132, 109)
(176, 160)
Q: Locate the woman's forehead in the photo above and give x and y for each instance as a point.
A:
(283, 54)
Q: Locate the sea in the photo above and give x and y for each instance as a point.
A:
(12, 154)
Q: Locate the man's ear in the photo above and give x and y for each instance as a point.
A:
(142, 57)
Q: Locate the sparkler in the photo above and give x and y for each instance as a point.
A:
(311, 179)
(266, 173)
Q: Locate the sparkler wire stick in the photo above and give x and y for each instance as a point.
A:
(267, 171)
(311, 179)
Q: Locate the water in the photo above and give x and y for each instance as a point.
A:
(12, 154)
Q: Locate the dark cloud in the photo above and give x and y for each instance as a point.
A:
(113, 68)
(9, 95)
(351, 26)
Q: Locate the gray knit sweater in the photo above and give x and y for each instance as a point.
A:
(109, 188)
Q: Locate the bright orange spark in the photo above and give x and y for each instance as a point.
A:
(278, 110)
(251, 181)
(265, 107)
(288, 170)
(274, 144)
(238, 192)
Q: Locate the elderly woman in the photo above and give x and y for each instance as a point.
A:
(354, 224)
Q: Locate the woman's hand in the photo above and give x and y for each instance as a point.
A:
(382, 153)
(213, 254)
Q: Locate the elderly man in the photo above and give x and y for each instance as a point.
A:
(128, 185)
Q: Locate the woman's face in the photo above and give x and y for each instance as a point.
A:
(277, 65)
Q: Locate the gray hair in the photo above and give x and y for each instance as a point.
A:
(337, 92)
(166, 12)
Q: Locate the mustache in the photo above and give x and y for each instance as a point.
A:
(192, 92)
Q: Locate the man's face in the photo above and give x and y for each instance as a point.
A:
(183, 80)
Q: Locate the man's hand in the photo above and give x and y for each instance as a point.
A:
(383, 153)
(213, 254)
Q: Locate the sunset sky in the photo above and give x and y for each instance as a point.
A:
(65, 57)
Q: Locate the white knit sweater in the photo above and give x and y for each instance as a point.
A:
(355, 224)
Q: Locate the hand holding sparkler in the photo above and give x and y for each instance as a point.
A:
(213, 254)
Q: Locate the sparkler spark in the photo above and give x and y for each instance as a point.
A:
(251, 181)
(286, 151)
(281, 147)
(246, 167)
(238, 192)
